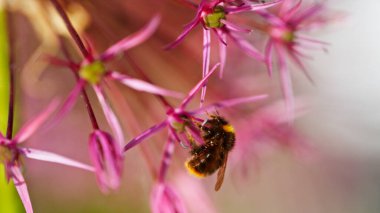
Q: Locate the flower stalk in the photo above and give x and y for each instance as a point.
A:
(8, 196)
(90, 110)
(74, 34)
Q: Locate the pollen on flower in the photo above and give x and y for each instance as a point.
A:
(179, 126)
(282, 34)
(213, 20)
(288, 36)
(92, 72)
(6, 154)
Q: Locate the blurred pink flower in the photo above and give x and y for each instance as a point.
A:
(269, 127)
(107, 159)
(165, 200)
(163, 197)
(193, 193)
(10, 154)
(286, 30)
(213, 16)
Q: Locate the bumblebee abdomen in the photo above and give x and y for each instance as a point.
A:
(205, 164)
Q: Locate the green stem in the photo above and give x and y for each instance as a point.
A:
(9, 201)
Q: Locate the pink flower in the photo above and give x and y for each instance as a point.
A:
(179, 119)
(269, 127)
(94, 72)
(10, 153)
(183, 124)
(163, 197)
(193, 192)
(107, 159)
(213, 16)
(165, 200)
(286, 30)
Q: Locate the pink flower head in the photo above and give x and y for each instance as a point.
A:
(287, 39)
(163, 197)
(92, 70)
(193, 192)
(213, 16)
(165, 200)
(107, 159)
(10, 154)
(269, 127)
(183, 125)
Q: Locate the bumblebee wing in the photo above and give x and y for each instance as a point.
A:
(220, 178)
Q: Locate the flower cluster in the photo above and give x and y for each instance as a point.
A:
(282, 22)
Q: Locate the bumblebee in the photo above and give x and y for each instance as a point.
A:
(219, 138)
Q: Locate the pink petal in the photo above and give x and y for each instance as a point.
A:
(274, 113)
(287, 5)
(165, 200)
(179, 137)
(30, 128)
(253, 7)
(174, 136)
(54, 158)
(135, 141)
(299, 49)
(90, 49)
(62, 63)
(221, 36)
(291, 11)
(235, 27)
(272, 19)
(269, 57)
(300, 64)
(197, 87)
(132, 40)
(229, 103)
(21, 187)
(144, 86)
(195, 133)
(306, 14)
(222, 54)
(70, 101)
(166, 158)
(222, 50)
(286, 84)
(106, 157)
(110, 116)
(312, 40)
(247, 47)
(206, 61)
(193, 191)
(186, 30)
(303, 45)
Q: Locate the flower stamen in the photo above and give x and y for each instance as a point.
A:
(93, 72)
(213, 19)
